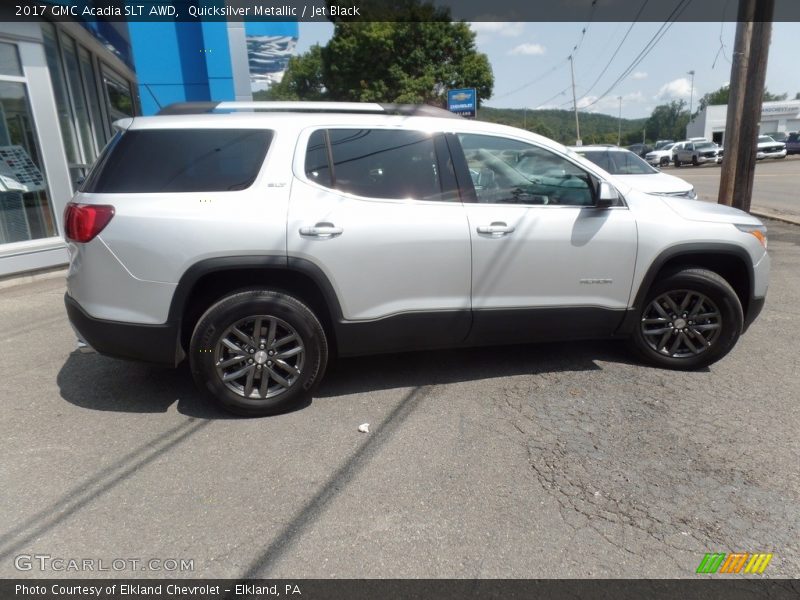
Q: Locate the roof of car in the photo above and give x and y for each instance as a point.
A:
(611, 148)
(300, 115)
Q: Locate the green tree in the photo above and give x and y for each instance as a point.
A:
(403, 62)
(414, 55)
(721, 96)
(301, 81)
(668, 121)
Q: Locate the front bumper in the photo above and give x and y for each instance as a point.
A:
(132, 341)
(763, 155)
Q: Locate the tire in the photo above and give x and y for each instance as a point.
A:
(694, 161)
(286, 327)
(665, 343)
(677, 162)
(664, 161)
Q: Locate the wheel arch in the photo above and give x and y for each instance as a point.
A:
(207, 281)
(731, 262)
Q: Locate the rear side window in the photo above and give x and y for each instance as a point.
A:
(375, 163)
(180, 160)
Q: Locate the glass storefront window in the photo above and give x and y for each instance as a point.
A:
(25, 208)
(9, 60)
(100, 135)
(120, 100)
(60, 91)
(79, 100)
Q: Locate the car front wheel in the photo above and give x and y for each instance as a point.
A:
(258, 352)
(689, 320)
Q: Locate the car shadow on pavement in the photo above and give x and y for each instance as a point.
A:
(97, 382)
(372, 373)
(101, 383)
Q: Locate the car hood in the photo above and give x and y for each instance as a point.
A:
(697, 210)
(657, 183)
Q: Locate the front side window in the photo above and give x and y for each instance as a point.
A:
(375, 163)
(506, 171)
(180, 160)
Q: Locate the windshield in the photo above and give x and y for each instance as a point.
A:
(762, 139)
(705, 146)
(618, 162)
(668, 146)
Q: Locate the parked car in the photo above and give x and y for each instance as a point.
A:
(660, 157)
(766, 147)
(640, 149)
(636, 172)
(256, 240)
(778, 136)
(696, 153)
(793, 143)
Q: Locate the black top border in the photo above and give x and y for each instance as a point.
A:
(545, 11)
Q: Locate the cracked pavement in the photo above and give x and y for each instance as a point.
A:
(552, 460)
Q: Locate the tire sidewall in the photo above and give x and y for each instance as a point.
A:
(242, 305)
(718, 292)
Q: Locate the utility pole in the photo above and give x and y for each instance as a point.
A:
(748, 73)
(578, 142)
(619, 132)
(691, 92)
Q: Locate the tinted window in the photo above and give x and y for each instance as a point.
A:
(317, 167)
(376, 163)
(599, 157)
(180, 160)
(512, 172)
(627, 163)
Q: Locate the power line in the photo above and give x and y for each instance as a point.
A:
(674, 15)
(556, 67)
(613, 56)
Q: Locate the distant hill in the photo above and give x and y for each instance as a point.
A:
(559, 125)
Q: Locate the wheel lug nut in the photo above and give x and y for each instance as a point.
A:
(262, 346)
(251, 350)
(269, 363)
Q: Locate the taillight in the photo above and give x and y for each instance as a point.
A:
(82, 222)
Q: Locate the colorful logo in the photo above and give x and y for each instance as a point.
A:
(734, 562)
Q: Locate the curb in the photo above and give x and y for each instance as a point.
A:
(765, 214)
(22, 279)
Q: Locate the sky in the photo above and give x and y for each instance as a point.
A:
(531, 70)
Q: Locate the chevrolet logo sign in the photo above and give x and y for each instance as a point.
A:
(461, 96)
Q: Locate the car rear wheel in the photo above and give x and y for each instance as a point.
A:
(677, 162)
(694, 161)
(258, 352)
(689, 320)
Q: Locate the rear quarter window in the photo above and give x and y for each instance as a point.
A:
(180, 160)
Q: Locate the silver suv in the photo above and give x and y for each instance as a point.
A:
(697, 153)
(258, 239)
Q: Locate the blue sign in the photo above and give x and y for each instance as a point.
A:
(463, 102)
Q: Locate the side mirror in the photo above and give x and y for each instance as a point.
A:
(607, 195)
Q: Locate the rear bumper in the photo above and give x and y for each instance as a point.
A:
(132, 341)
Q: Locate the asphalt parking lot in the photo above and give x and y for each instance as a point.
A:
(556, 460)
(775, 186)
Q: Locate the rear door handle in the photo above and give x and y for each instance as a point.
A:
(497, 228)
(321, 230)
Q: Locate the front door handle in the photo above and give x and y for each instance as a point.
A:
(321, 230)
(497, 228)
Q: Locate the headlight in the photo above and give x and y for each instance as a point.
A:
(757, 231)
(691, 194)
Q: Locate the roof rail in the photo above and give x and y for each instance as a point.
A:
(408, 110)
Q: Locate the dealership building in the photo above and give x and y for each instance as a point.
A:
(62, 85)
(781, 116)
